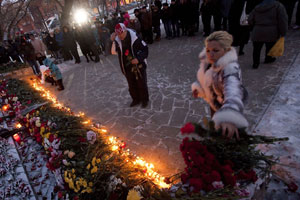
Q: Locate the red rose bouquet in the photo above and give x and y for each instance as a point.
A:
(216, 167)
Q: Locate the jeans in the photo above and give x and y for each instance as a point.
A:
(167, 26)
(175, 27)
(35, 67)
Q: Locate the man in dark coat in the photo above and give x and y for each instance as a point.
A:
(132, 52)
(156, 16)
(52, 45)
(166, 19)
(70, 44)
(146, 25)
(174, 10)
(27, 50)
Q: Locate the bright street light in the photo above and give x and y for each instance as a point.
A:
(81, 16)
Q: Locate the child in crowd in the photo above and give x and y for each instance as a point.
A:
(51, 73)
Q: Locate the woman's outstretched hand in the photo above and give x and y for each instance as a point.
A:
(231, 130)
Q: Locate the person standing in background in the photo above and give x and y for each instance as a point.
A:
(270, 22)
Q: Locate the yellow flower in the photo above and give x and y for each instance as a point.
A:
(90, 184)
(47, 135)
(89, 190)
(98, 160)
(74, 176)
(42, 130)
(75, 190)
(83, 191)
(73, 170)
(67, 180)
(84, 183)
(133, 195)
(88, 167)
(94, 170)
(37, 112)
(66, 174)
(71, 184)
(93, 161)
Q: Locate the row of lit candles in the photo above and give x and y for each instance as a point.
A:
(113, 141)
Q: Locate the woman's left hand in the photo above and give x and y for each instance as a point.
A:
(135, 61)
(231, 130)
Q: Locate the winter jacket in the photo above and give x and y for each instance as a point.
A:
(27, 50)
(55, 72)
(146, 21)
(39, 47)
(69, 40)
(220, 86)
(51, 43)
(269, 22)
(59, 37)
(138, 47)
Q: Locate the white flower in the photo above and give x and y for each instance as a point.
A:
(218, 185)
(15, 99)
(65, 162)
(91, 137)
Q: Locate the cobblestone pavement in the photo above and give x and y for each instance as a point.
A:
(100, 90)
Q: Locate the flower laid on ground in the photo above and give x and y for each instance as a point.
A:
(216, 166)
(84, 164)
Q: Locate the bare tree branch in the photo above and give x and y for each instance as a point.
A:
(59, 3)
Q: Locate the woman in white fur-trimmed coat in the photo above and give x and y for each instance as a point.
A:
(219, 83)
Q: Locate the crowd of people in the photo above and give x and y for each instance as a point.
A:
(179, 18)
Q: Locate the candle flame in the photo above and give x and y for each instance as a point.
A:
(147, 168)
(5, 108)
(18, 125)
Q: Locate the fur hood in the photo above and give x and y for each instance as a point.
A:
(229, 57)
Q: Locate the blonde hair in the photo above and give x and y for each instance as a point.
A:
(224, 39)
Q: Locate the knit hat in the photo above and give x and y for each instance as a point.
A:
(120, 28)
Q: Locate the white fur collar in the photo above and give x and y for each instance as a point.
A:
(229, 57)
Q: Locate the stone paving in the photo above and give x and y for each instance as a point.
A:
(100, 90)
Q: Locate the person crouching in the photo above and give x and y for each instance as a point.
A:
(51, 74)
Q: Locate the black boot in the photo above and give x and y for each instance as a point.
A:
(60, 85)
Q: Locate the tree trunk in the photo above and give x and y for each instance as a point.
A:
(65, 16)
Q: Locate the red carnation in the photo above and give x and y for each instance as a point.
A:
(215, 176)
(51, 138)
(242, 175)
(82, 139)
(60, 194)
(292, 187)
(126, 52)
(229, 179)
(76, 198)
(199, 161)
(188, 128)
(196, 172)
(184, 178)
(229, 162)
(197, 184)
(251, 176)
(227, 169)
